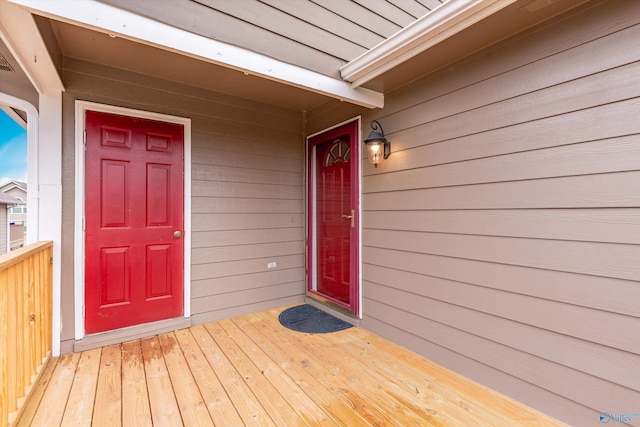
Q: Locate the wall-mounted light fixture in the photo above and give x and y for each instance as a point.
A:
(378, 147)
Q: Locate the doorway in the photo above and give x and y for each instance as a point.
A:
(134, 221)
(333, 197)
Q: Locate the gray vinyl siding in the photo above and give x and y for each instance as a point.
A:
(247, 190)
(317, 35)
(501, 239)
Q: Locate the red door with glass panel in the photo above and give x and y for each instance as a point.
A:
(134, 221)
(333, 222)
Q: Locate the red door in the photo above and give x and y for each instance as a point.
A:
(333, 215)
(134, 221)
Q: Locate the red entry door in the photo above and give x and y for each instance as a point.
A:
(134, 221)
(333, 218)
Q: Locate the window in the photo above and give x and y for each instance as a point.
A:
(339, 152)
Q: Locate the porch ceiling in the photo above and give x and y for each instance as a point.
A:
(316, 38)
(97, 47)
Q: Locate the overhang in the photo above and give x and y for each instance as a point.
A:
(441, 23)
(20, 34)
(121, 23)
(172, 44)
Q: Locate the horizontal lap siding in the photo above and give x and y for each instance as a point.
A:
(247, 210)
(502, 236)
(247, 188)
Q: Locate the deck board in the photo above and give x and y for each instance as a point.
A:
(135, 402)
(443, 404)
(338, 409)
(50, 408)
(403, 408)
(342, 380)
(249, 370)
(243, 398)
(220, 407)
(274, 403)
(192, 406)
(79, 408)
(306, 408)
(164, 406)
(108, 401)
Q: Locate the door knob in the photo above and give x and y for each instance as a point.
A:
(350, 217)
(177, 234)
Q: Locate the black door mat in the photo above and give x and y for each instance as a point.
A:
(307, 318)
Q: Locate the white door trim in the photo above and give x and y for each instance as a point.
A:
(78, 268)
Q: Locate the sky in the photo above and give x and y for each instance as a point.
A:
(13, 150)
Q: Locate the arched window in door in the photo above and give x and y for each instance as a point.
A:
(340, 152)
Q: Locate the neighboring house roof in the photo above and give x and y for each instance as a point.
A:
(9, 200)
(14, 184)
(16, 190)
(295, 54)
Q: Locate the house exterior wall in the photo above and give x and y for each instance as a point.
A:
(247, 191)
(501, 239)
(17, 192)
(18, 218)
(16, 236)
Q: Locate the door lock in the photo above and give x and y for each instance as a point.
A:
(177, 234)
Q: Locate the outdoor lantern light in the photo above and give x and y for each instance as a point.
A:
(377, 145)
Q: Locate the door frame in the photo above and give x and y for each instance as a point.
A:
(79, 212)
(357, 246)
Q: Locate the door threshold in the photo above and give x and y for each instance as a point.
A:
(129, 333)
(332, 308)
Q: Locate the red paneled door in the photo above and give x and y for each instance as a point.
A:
(134, 221)
(333, 221)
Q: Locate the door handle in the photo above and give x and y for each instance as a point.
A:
(177, 234)
(351, 217)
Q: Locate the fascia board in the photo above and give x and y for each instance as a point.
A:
(102, 17)
(436, 26)
(19, 32)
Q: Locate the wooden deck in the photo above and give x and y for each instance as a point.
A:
(251, 371)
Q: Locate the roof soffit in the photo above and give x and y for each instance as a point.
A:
(409, 44)
(20, 35)
(496, 21)
(431, 29)
(96, 15)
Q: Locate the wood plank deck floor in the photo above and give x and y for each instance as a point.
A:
(251, 371)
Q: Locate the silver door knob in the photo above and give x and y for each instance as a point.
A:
(177, 234)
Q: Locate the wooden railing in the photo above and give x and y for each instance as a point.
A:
(25, 322)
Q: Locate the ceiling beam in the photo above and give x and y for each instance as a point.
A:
(120, 23)
(436, 26)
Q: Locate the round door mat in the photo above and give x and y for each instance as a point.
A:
(307, 318)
